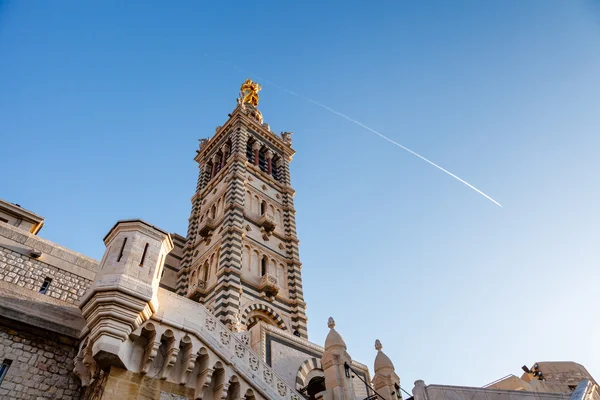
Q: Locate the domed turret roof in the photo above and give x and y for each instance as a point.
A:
(382, 361)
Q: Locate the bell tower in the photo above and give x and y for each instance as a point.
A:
(241, 254)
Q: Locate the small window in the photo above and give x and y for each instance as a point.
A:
(144, 255)
(3, 220)
(4, 368)
(45, 285)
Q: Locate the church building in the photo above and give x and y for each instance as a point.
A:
(217, 314)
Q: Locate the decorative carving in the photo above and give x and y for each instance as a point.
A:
(253, 363)
(239, 350)
(204, 142)
(211, 324)
(245, 338)
(237, 324)
(86, 368)
(268, 375)
(225, 337)
(287, 137)
(281, 387)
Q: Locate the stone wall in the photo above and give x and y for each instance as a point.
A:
(41, 367)
(30, 273)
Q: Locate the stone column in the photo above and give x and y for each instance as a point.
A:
(337, 381)
(385, 382)
(269, 156)
(124, 292)
(256, 147)
(224, 151)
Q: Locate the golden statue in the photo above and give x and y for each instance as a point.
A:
(250, 91)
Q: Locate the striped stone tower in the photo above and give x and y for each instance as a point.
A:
(241, 255)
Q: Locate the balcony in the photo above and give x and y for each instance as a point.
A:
(197, 290)
(267, 223)
(269, 284)
(207, 227)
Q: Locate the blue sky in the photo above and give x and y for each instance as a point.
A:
(102, 103)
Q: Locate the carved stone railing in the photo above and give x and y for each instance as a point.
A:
(193, 319)
(269, 284)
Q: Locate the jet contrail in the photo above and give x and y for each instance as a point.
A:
(370, 130)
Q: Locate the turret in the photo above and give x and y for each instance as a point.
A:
(124, 293)
(385, 382)
(338, 379)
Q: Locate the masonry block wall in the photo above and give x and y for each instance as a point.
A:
(69, 273)
(29, 273)
(40, 368)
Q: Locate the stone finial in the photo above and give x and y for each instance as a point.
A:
(378, 345)
(331, 323)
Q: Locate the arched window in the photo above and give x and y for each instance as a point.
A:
(213, 211)
(263, 266)
(263, 207)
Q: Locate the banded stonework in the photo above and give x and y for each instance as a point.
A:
(241, 247)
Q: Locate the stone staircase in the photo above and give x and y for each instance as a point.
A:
(189, 327)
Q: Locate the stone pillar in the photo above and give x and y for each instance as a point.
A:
(385, 382)
(124, 292)
(224, 151)
(269, 156)
(256, 147)
(337, 381)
